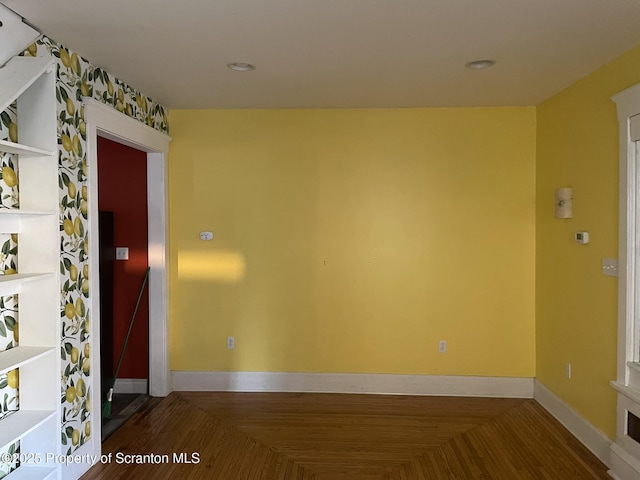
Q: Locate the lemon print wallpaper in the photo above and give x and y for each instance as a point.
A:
(76, 78)
(6, 465)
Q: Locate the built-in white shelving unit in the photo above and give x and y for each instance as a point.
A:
(31, 81)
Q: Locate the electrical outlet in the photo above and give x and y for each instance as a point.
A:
(231, 342)
(442, 346)
(567, 370)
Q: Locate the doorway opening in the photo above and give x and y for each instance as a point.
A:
(123, 230)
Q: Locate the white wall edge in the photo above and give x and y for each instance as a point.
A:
(590, 436)
(438, 385)
(130, 385)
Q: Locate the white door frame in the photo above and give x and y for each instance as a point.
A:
(625, 452)
(104, 121)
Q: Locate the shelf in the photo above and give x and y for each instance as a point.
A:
(13, 219)
(10, 147)
(18, 356)
(19, 424)
(11, 284)
(18, 75)
(27, 472)
(16, 212)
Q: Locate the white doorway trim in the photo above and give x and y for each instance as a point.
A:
(625, 452)
(104, 121)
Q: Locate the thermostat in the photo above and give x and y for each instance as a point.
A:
(582, 238)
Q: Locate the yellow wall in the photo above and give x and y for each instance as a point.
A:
(576, 305)
(354, 240)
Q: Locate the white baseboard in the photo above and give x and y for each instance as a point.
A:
(441, 385)
(130, 385)
(590, 436)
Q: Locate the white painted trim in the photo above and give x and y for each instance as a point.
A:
(120, 128)
(590, 436)
(623, 465)
(104, 121)
(627, 102)
(628, 105)
(130, 385)
(94, 299)
(158, 254)
(632, 394)
(441, 385)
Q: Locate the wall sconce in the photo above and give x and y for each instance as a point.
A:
(564, 202)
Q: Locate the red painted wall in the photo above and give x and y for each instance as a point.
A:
(122, 183)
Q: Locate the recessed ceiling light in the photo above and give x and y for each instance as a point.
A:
(480, 64)
(241, 67)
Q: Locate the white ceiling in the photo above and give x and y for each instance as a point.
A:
(341, 53)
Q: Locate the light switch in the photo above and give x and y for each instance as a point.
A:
(122, 253)
(564, 202)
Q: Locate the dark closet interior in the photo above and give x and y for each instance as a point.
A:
(107, 259)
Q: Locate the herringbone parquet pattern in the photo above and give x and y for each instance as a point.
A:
(247, 436)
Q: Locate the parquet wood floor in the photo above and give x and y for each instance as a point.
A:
(258, 436)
